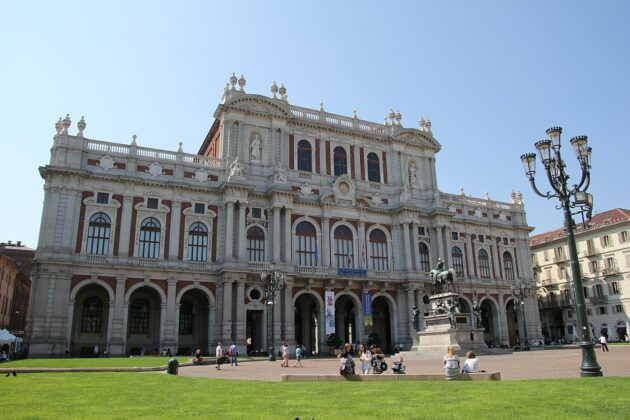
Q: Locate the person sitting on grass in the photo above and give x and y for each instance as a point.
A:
(399, 366)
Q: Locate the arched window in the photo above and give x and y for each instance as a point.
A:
(341, 161)
(378, 251)
(304, 153)
(423, 250)
(458, 261)
(484, 264)
(92, 316)
(150, 232)
(374, 168)
(186, 318)
(139, 319)
(197, 242)
(344, 249)
(508, 266)
(306, 247)
(256, 244)
(98, 234)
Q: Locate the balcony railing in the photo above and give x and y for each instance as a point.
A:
(598, 300)
(554, 304)
(611, 271)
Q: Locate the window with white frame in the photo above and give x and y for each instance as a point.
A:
(618, 309)
(306, 246)
(594, 266)
(255, 244)
(102, 198)
(374, 168)
(379, 256)
(623, 237)
(598, 290)
(423, 251)
(152, 203)
(458, 261)
(343, 252)
(304, 156)
(200, 208)
(340, 161)
(484, 264)
(610, 262)
(605, 241)
(601, 310)
(99, 230)
(615, 288)
(508, 266)
(150, 235)
(197, 242)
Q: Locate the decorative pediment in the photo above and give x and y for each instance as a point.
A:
(344, 189)
(417, 137)
(259, 104)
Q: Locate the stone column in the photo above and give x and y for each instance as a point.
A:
(494, 252)
(169, 337)
(229, 231)
(240, 311)
(407, 244)
(242, 252)
(287, 236)
(70, 321)
(125, 226)
(410, 303)
(110, 319)
(448, 260)
(173, 247)
(227, 309)
(416, 250)
(502, 334)
(439, 234)
(162, 324)
(289, 318)
(326, 242)
(277, 258)
(469, 256)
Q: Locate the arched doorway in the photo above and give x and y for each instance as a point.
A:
(382, 324)
(490, 323)
(193, 322)
(345, 319)
(143, 321)
(307, 323)
(89, 321)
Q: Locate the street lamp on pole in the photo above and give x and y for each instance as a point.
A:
(272, 281)
(570, 198)
(521, 292)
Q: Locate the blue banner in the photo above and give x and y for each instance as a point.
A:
(367, 304)
(351, 272)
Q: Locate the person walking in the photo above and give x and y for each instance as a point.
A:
(365, 356)
(284, 351)
(603, 342)
(219, 355)
(298, 356)
(451, 364)
(233, 352)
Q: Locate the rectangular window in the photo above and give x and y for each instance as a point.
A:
(570, 314)
(590, 247)
(256, 213)
(454, 236)
(200, 208)
(570, 329)
(152, 203)
(585, 291)
(102, 198)
(589, 312)
(618, 309)
(601, 310)
(623, 237)
(605, 241)
(559, 253)
(505, 241)
(481, 238)
(615, 288)
(421, 231)
(627, 257)
(598, 290)
(610, 262)
(594, 268)
(546, 255)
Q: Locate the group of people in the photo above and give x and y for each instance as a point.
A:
(223, 357)
(372, 361)
(451, 364)
(300, 352)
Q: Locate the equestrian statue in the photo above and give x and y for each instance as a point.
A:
(442, 279)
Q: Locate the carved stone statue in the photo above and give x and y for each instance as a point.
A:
(235, 168)
(443, 280)
(280, 175)
(415, 312)
(413, 173)
(476, 308)
(452, 308)
(255, 148)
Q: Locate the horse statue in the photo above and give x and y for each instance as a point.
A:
(443, 280)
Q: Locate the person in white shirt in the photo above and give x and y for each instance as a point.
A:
(471, 365)
(219, 355)
(603, 342)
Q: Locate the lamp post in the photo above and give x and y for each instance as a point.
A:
(272, 281)
(570, 198)
(521, 292)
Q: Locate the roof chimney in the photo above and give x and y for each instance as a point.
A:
(19, 243)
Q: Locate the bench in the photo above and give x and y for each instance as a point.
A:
(489, 376)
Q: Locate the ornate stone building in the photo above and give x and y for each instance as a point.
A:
(145, 248)
(604, 255)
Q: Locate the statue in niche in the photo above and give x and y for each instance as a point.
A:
(413, 173)
(255, 148)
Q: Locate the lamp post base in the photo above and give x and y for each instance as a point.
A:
(272, 356)
(589, 367)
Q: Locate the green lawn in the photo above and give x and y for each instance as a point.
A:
(146, 361)
(157, 395)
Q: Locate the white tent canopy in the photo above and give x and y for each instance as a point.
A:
(7, 337)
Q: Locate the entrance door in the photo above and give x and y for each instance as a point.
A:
(254, 331)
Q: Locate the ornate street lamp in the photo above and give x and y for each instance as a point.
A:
(570, 198)
(521, 292)
(272, 281)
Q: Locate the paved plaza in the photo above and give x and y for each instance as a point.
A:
(540, 364)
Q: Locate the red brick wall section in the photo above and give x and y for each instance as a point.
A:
(327, 158)
(76, 280)
(84, 195)
(169, 216)
(352, 174)
(317, 156)
(182, 224)
(361, 157)
(134, 215)
(118, 198)
(384, 168)
(291, 146)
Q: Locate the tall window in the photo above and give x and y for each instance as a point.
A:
(484, 264)
(458, 261)
(256, 244)
(150, 232)
(340, 160)
(304, 153)
(378, 250)
(185, 318)
(306, 247)
(98, 234)
(508, 266)
(197, 242)
(92, 316)
(425, 265)
(374, 168)
(139, 319)
(344, 252)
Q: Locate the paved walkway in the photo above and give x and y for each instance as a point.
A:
(540, 364)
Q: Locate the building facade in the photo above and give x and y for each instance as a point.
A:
(604, 256)
(148, 249)
(22, 256)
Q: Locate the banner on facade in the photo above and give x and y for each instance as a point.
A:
(367, 304)
(330, 312)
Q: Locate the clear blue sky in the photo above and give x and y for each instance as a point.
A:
(491, 76)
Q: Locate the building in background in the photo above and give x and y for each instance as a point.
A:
(144, 249)
(604, 256)
(22, 257)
